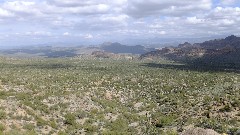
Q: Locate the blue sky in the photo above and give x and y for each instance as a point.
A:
(29, 22)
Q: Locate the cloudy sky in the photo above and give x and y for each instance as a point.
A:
(26, 22)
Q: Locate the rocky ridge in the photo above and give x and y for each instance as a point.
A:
(225, 50)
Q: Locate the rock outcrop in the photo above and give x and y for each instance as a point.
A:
(225, 50)
(199, 131)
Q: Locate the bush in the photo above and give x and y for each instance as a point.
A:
(70, 119)
(119, 124)
(2, 128)
(62, 133)
(226, 108)
(2, 115)
(41, 122)
(29, 126)
(212, 123)
(165, 121)
(3, 94)
(53, 124)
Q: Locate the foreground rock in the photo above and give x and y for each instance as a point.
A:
(199, 131)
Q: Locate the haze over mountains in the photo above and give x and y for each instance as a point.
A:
(56, 51)
(119, 48)
(227, 46)
(224, 50)
(218, 54)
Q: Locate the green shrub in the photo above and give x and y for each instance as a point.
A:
(41, 122)
(29, 126)
(70, 119)
(212, 123)
(62, 133)
(119, 124)
(90, 128)
(226, 108)
(165, 121)
(2, 115)
(3, 94)
(53, 124)
(2, 127)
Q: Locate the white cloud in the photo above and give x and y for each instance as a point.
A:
(227, 22)
(142, 8)
(5, 13)
(194, 20)
(88, 36)
(66, 34)
(220, 12)
(72, 3)
(38, 33)
(113, 19)
(157, 32)
(78, 7)
(155, 26)
(92, 9)
(22, 7)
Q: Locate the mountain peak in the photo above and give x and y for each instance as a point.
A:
(106, 44)
(230, 38)
(227, 48)
(186, 44)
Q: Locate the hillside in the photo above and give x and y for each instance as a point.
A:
(119, 48)
(114, 93)
(214, 52)
(104, 96)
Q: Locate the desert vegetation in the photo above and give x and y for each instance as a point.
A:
(105, 96)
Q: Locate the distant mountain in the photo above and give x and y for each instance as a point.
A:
(119, 48)
(226, 50)
(72, 51)
(232, 41)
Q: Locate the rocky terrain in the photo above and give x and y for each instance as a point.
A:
(176, 90)
(219, 51)
(90, 95)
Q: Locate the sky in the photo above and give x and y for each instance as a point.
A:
(29, 22)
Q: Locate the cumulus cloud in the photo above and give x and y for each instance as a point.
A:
(89, 9)
(195, 20)
(157, 32)
(112, 19)
(88, 36)
(72, 3)
(66, 34)
(142, 8)
(5, 13)
(22, 8)
(88, 6)
(38, 33)
(228, 12)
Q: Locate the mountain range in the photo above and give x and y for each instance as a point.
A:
(215, 52)
(225, 50)
(55, 52)
(119, 48)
